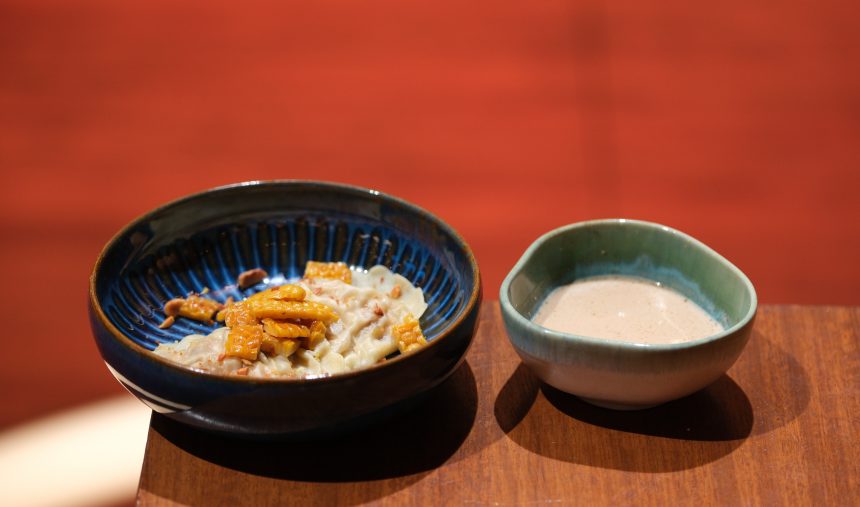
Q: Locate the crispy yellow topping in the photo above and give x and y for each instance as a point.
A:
(243, 341)
(272, 346)
(332, 270)
(284, 321)
(288, 292)
(282, 310)
(408, 335)
(193, 307)
(317, 335)
(285, 329)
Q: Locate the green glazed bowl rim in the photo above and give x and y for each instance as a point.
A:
(562, 337)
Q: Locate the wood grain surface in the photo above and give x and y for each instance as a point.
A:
(779, 429)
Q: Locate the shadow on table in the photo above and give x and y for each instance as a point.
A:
(411, 442)
(678, 435)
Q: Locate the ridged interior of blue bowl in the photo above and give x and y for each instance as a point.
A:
(152, 263)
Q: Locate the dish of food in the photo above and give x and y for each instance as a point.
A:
(198, 252)
(331, 321)
(622, 353)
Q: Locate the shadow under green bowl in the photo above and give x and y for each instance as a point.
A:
(621, 374)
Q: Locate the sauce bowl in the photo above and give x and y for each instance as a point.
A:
(624, 374)
(205, 240)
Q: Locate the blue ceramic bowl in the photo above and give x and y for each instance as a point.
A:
(207, 239)
(621, 374)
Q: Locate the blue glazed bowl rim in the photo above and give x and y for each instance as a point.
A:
(559, 336)
(148, 355)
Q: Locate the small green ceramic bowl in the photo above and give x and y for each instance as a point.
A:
(620, 374)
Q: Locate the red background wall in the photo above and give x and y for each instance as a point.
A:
(735, 122)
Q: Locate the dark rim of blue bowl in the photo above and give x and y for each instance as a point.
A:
(337, 187)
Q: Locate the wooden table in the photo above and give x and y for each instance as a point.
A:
(779, 429)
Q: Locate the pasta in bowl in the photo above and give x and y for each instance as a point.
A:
(320, 325)
(225, 246)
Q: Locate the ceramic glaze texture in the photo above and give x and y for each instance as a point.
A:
(625, 374)
(206, 240)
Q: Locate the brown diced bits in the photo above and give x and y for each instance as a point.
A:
(243, 371)
(395, 292)
(166, 323)
(251, 277)
(378, 311)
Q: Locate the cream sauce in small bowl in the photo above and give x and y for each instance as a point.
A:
(625, 308)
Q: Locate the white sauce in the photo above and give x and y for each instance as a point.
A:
(625, 308)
